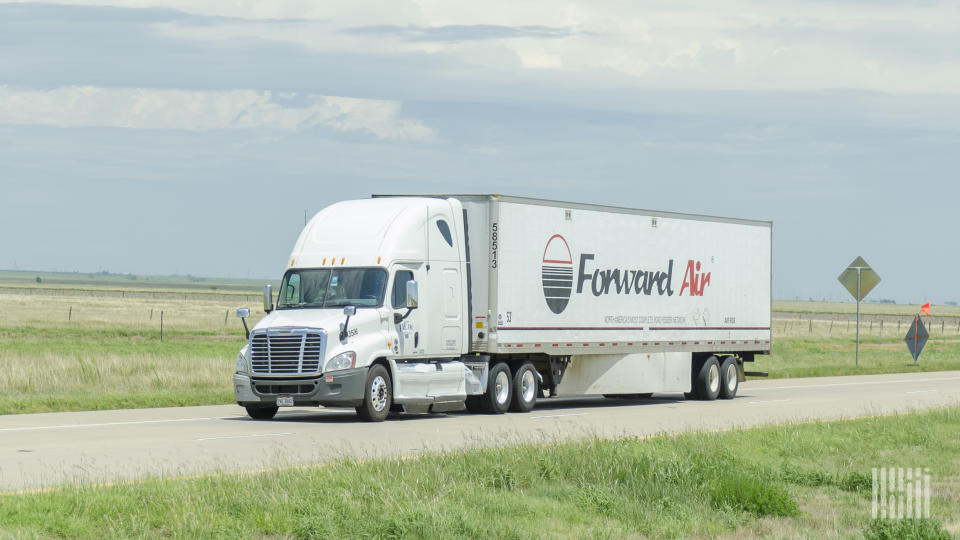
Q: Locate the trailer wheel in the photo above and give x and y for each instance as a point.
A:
(377, 395)
(707, 382)
(729, 383)
(261, 413)
(496, 400)
(525, 388)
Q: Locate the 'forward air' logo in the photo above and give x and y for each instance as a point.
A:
(557, 273)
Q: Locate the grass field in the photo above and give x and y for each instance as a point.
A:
(808, 480)
(76, 342)
(82, 349)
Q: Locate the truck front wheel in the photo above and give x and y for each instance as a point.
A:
(261, 413)
(377, 395)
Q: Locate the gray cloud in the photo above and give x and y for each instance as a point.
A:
(455, 32)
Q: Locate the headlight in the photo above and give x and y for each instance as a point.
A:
(345, 360)
(242, 366)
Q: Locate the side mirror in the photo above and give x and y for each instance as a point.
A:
(412, 296)
(349, 311)
(243, 313)
(268, 298)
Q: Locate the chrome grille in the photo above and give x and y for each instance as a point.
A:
(288, 351)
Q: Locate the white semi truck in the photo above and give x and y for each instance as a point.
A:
(433, 303)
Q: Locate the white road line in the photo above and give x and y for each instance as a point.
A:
(131, 423)
(768, 401)
(897, 381)
(922, 391)
(244, 436)
(558, 415)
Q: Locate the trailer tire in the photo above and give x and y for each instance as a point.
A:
(729, 382)
(525, 388)
(496, 400)
(377, 395)
(261, 413)
(707, 382)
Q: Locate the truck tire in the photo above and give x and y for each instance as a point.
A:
(496, 400)
(707, 382)
(729, 383)
(525, 388)
(377, 395)
(261, 413)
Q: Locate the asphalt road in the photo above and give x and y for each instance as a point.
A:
(44, 450)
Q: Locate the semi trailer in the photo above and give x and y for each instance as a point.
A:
(428, 303)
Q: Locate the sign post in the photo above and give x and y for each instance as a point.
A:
(859, 279)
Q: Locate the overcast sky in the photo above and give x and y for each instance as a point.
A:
(189, 136)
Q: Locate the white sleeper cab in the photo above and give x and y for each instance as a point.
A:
(439, 302)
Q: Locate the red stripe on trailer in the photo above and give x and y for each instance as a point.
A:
(569, 344)
(683, 342)
(630, 344)
(601, 344)
(645, 343)
(655, 343)
(556, 344)
(614, 344)
(696, 342)
(536, 344)
(586, 344)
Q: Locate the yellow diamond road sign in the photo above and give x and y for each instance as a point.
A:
(868, 278)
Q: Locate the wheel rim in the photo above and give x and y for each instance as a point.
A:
(528, 385)
(731, 377)
(501, 387)
(714, 378)
(378, 393)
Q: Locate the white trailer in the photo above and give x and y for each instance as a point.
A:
(432, 303)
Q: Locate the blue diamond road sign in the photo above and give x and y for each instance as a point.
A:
(916, 337)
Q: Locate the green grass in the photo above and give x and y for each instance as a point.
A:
(808, 480)
(822, 356)
(57, 369)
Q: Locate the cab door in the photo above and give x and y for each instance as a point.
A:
(410, 333)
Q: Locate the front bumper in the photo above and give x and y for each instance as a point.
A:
(338, 389)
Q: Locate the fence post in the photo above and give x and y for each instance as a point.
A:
(70, 313)
(161, 325)
(151, 314)
(829, 332)
(880, 340)
(227, 313)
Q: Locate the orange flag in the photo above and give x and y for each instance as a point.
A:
(925, 309)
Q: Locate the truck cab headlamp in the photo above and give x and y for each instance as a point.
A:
(242, 364)
(344, 360)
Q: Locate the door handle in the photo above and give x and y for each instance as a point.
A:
(416, 338)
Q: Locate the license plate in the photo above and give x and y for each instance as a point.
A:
(285, 401)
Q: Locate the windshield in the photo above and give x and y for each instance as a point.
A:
(330, 288)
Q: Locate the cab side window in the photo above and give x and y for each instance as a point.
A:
(399, 297)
